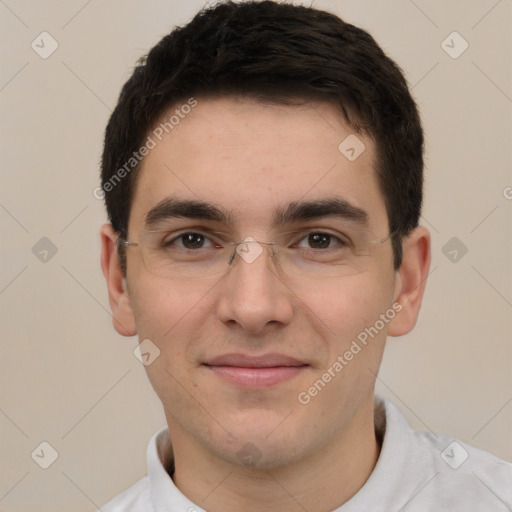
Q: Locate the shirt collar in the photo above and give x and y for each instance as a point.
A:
(166, 497)
(390, 426)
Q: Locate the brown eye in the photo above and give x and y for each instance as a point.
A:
(319, 240)
(189, 240)
(192, 240)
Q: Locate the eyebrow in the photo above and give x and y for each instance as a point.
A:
(320, 208)
(171, 207)
(295, 211)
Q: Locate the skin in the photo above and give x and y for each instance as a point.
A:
(251, 158)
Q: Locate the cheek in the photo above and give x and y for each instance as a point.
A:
(169, 312)
(345, 306)
(153, 298)
(171, 315)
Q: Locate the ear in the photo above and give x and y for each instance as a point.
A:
(123, 318)
(411, 281)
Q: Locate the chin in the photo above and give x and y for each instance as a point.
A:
(259, 455)
(258, 447)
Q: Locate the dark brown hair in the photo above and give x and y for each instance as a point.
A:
(279, 53)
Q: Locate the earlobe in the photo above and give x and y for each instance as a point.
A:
(122, 314)
(411, 280)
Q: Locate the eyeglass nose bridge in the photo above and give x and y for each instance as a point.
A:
(248, 255)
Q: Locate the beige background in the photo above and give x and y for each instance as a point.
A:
(67, 378)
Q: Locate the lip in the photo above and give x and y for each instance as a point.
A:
(255, 371)
(247, 361)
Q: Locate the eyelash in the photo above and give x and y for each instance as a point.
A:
(341, 242)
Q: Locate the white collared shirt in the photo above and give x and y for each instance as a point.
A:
(415, 472)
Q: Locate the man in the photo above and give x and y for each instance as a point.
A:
(263, 179)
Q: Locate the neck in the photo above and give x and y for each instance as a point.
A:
(335, 472)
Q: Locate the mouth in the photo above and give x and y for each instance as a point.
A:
(255, 371)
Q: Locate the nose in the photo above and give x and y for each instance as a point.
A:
(253, 295)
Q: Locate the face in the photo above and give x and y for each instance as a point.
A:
(240, 353)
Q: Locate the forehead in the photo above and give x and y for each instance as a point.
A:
(254, 159)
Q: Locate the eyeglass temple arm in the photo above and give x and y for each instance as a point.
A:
(124, 243)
